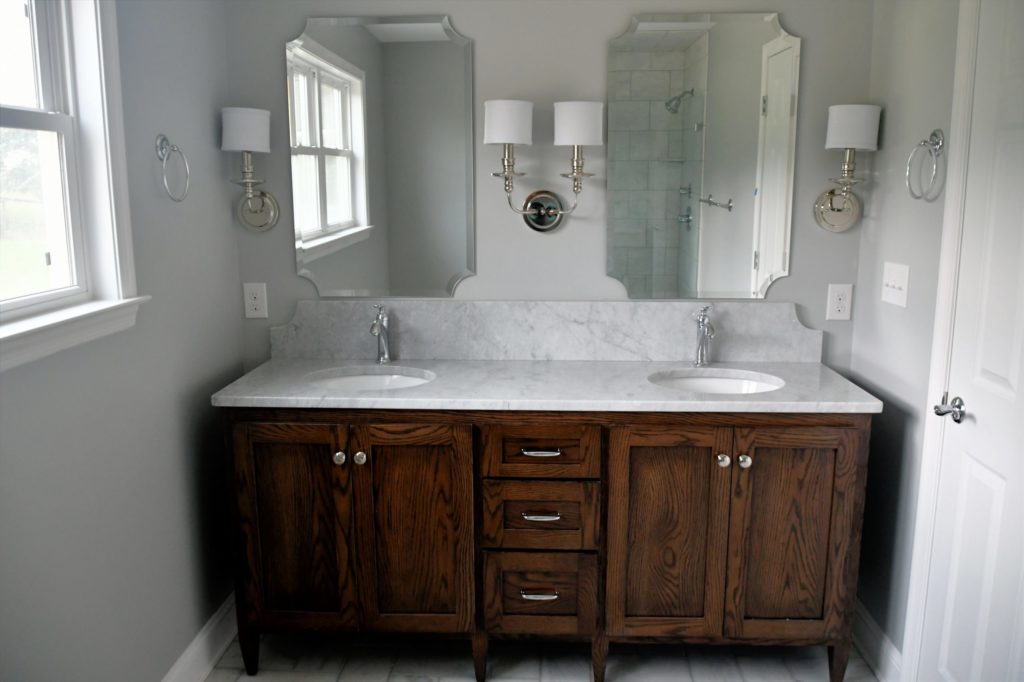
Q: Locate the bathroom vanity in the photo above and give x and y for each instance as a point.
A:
(601, 501)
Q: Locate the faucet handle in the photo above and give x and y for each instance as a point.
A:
(379, 307)
(703, 313)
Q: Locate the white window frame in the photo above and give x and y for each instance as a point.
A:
(322, 65)
(81, 93)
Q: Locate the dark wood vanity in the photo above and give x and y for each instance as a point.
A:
(720, 528)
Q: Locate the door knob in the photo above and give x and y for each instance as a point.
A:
(723, 461)
(745, 461)
(359, 458)
(955, 407)
(339, 458)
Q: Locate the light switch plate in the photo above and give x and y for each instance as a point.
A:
(255, 297)
(895, 280)
(840, 302)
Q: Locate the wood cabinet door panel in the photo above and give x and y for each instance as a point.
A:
(667, 522)
(414, 513)
(791, 530)
(295, 507)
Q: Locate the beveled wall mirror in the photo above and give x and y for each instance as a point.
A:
(701, 151)
(381, 127)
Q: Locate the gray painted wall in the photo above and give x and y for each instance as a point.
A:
(564, 58)
(111, 493)
(913, 51)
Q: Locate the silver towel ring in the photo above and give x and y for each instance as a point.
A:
(164, 149)
(933, 145)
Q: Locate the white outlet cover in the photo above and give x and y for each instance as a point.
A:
(895, 281)
(254, 297)
(840, 302)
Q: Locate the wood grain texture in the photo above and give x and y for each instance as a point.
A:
(580, 448)
(417, 492)
(791, 532)
(505, 501)
(297, 525)
(415, 520)
(668, 502)
(572, 575)
(531, 420)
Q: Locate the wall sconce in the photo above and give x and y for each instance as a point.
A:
(850, 127)
(247, 131)
(509, 122)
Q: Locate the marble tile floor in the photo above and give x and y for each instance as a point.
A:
(305, 659)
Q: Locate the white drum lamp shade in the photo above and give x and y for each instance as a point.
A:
(508, 121)
(853, 126)
(245, 130)
(579, 123)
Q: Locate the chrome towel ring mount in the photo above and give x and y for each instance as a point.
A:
(164, 150)
(933, 147)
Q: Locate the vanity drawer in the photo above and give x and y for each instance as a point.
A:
(541, 514)
(542, 451)
(541, 594)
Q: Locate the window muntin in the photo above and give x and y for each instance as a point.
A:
(42, 262)
(328, 139)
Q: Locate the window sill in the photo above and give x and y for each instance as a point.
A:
(25, 340)
(309, 250)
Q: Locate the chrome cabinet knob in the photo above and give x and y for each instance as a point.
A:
(339, 458)
(954, 408)
(723, 460)
(745, 461)
(359, 458)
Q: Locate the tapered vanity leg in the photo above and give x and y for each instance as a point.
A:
(838, 656)
(249, 643)
(599, 655)
(480, 655)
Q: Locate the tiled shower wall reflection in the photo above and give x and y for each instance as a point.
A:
(655, 159)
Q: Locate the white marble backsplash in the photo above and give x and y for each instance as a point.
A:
(445, 329)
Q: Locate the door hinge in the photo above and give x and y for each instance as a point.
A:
(764, 105)
(757, 260)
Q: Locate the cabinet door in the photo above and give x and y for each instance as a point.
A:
(295, 517)
(668, 511)
(415, 518)
(794, 534)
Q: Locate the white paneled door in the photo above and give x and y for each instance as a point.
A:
(973, 626)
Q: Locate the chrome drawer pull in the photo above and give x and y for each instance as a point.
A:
(527, 516)
(557, 452)
(538, 596)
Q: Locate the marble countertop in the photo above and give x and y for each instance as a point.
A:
(596, 386)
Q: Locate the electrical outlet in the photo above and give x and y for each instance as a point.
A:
(840, 302)
(895, 281)
(255, 296)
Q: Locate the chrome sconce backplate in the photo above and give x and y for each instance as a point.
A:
(545, 211)
(837, 209)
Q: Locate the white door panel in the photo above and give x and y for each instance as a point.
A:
(974, 625)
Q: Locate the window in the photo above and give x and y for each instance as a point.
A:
(65, 240)
(328, 148)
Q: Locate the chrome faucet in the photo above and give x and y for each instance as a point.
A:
(705, 332)
(379, 328)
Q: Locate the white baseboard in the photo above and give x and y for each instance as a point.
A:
(198, 659)
(878, 650)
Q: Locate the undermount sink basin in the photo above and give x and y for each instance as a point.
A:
(716, 380)
(370, 378)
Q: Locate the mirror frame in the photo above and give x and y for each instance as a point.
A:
(460, 40)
